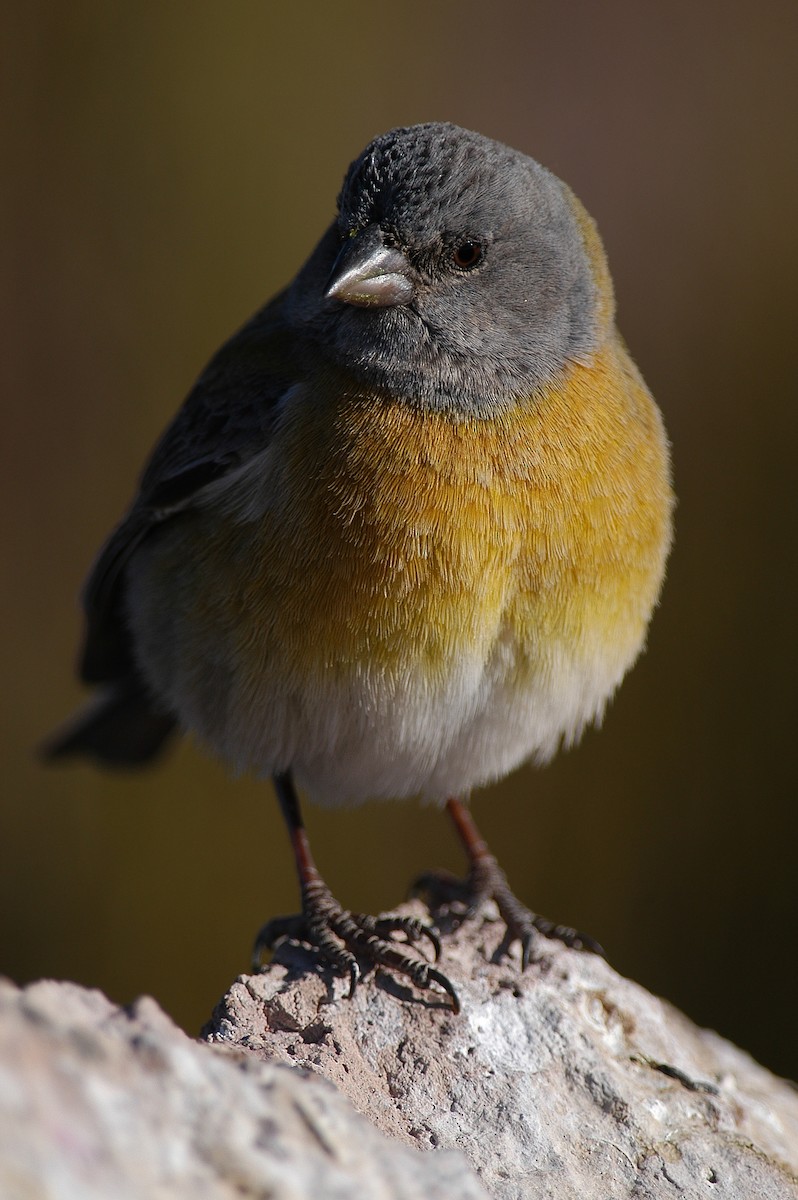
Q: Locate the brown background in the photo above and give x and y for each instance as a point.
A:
(166, 167)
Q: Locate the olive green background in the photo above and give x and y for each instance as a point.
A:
(166, 167)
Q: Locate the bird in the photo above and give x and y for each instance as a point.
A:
(406, 532)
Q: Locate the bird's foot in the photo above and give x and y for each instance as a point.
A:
(344, 939)
(486, 879)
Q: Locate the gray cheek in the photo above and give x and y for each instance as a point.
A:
(582, 301)
(516, 335)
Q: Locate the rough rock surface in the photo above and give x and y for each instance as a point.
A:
(100, 1103)
(568, 1081)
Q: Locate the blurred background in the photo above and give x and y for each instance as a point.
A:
(166, 169)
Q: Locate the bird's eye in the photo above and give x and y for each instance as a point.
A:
(467, 255)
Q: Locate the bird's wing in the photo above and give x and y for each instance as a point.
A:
(226, 418)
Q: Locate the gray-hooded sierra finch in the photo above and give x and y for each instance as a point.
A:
(409, 527)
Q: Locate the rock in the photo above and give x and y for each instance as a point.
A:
(100, 1103)
(567, 1081)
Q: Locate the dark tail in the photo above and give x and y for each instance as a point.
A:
(120, 728)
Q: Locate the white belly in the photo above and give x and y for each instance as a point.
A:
(376, 738)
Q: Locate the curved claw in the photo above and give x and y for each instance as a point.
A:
(354, 979)
(583, 941)
(439, 978)
(568, 936)
(413, 929)
(435, 941)
(271, 933)
(423, 975)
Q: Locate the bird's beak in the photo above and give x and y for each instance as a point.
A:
(369, 274)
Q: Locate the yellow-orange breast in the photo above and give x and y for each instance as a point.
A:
(392, 600)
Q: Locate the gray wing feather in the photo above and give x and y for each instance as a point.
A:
(226, 418)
